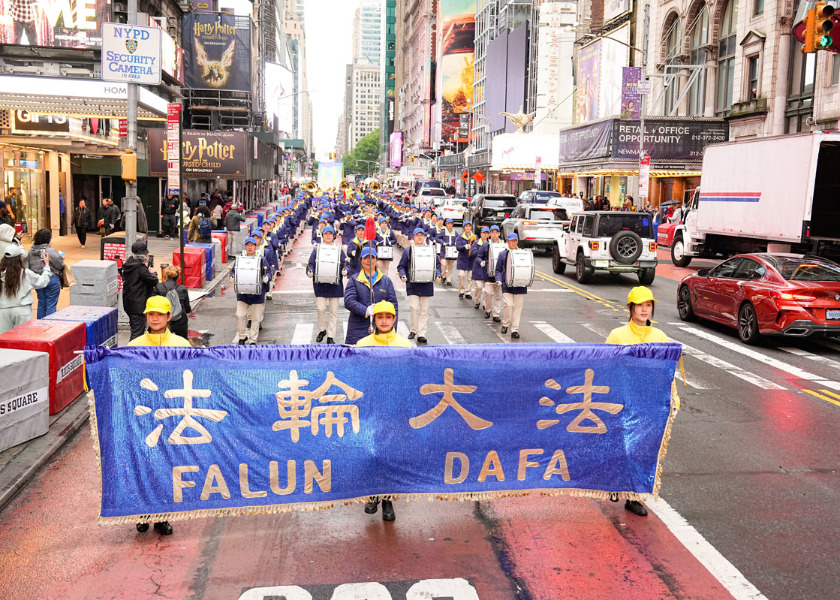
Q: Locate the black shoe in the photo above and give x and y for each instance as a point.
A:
(388, 511)
(412, 335)
(504, 330)
(477, 305)
(635, 507)
(497, 319)
(372, 507)
(515, 334)
(163, 528)
(468, 296)
(449, 284)
(421, 339)
(330, 341)
(142, 527)
(486, 314)
(321, 335)
(460, 295)
(242, 341)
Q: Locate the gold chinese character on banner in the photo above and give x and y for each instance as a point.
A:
(188, 414)
(294, 403)
(448, 389)
(587, 406)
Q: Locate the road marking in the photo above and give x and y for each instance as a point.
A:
(767, 360)
(493, 328)
(826, 343)
(821, 396)
(302, 334)
(588, 295)
(814, 357)
(722, 570)
(451, 334)
(556, 336)
(402, 329)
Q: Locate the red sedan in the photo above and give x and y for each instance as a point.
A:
(764, 294)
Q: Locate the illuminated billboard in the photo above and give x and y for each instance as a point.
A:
(456, 65)
(54, 23)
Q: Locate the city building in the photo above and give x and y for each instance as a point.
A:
(363, 102)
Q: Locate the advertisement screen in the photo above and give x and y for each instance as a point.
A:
(54, 23)
(456, 64)
(217, 52)
(279, 96)
(396, 149)
(589, 83)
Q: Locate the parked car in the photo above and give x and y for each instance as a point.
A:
(420, 184)
(794, 295)
(452, 208)
(537, 226)
(427, 196)
(537, 197)
(617, 242)
(490, 209)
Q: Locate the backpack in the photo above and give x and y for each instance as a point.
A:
(205, 229)
(174, 300)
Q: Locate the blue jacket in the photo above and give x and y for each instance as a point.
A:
(448, 238)
(348, 231)
(354, 257)
(479, 270)
(465, 258)
(357, 298)
(327, 290)
(252, 298)
(501, 266)
(271, 258)
(416, 289)
(389, 240)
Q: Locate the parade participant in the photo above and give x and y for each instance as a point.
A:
(492, 288)
(354, 251)
(385, 237)
(513, 297)
(362, 293)
(251, 307)
(327, 294)
(638, 330)
(465, 260)
(479, 270)
(449, 237)
(16, 285)
(318, 232)
(418, 293)
(176, 292)
(348, 228)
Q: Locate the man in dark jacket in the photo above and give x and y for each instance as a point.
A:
(139, 282)
(112, 219)
(169, 219)
(82, 220)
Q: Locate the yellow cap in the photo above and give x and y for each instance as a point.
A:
(384, 306)
(158, 304)
(640, 294)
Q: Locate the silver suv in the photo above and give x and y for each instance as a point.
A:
(617, 242)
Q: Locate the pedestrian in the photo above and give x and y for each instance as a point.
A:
(16, 285)
(638, 330)
(419, 294)
(112, 216)
(512, 297)
(362, 292)
(139, 281)
(47, 296)
(179, 299)
(465, 260)
(327, 294)
(10, 237)
(232, 223)
(169, 218)
(82, 220)
(201, 228)
(5, 215)
(250, 308)
(62, 215)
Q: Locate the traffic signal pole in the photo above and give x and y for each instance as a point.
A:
(130, 200)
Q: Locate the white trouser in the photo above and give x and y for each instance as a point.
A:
(478, 287)
(513, 310)
(14, 316)
(492, 298)
(447, 269)
(419, 309)
(323, 325)
(384, 265)
(464, 278)
(254, 312)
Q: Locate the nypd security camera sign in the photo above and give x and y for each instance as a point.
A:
(131, 53)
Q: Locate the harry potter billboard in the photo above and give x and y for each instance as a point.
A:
(217, 52)
(204, 154)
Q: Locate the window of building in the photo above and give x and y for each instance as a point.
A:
(726, 57)
(699, 39)
(672, 52)
(759, 7)
(752, 77)
(835, 69)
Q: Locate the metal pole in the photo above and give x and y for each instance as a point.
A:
(130, 200)
(183, 188)
(642, 101)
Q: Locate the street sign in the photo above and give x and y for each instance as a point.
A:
(173, 147)
(644, 177)
(643, 87)
(131, 53)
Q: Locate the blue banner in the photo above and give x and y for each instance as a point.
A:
(186, 432)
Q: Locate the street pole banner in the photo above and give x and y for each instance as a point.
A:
(186, 433)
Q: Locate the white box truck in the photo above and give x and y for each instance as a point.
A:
(778, 194)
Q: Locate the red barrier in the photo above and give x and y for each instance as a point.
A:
(59, 339)
(194, 271)
(222, 236)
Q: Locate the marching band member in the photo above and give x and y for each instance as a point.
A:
(449, 237)
(354, 251)
(251, 307)
(418, 293)
(492, 288)
(513, 297)
(385, 237)
(465, 260)
(362, 292)
(326, 294)
(479, 270)
(318, 232)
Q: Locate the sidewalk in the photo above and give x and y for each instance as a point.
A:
(19, 464)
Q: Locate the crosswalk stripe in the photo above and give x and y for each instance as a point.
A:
(493, 328)
(817, 359)
(554, 334)
(303, 333)
(451, 334)
(402, 329)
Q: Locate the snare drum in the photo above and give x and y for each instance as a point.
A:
(450, 252)
(248, 278)
(519, 271)
(385, 252)
(492, 255)
(328, 264)
(422, 265)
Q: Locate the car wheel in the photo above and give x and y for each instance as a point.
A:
(557, 265)
(626, 247)
(684, 304)
(678, 256)
(646, 276)
(582, 273)
(748, 324)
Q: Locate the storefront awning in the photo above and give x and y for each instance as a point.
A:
(76, 98)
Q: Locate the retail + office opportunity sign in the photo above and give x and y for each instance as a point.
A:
(131, 53)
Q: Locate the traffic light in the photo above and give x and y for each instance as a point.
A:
(411, 158)
(129, 166)
(823, 24)
(808, 38)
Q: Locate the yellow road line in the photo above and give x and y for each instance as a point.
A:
(577, 290)
(832, 394)
(820, 396)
